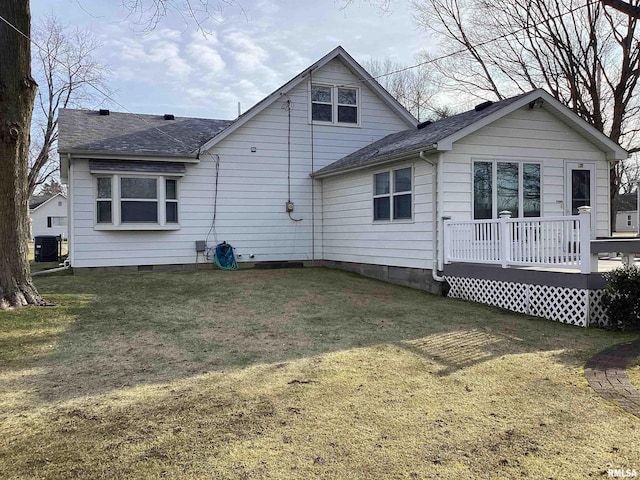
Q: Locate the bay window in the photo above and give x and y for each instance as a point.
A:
(135, 201)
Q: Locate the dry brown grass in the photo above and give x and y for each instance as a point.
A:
(633, 372)
(296, 374)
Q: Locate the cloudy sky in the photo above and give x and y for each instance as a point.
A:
(251, 50)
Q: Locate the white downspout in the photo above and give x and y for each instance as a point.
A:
(435, 188)
(70, 213)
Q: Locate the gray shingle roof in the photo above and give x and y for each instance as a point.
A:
(87, 131)
(413, 139)
(36, 200)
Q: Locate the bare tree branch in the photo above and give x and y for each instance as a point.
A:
(584, 54)
(624, 7)
(65, 69)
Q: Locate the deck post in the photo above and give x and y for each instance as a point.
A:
(505, 241)
(446, 239)
(584, 213)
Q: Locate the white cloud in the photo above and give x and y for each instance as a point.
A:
(156, 56)
(249, 54)
(206, 57)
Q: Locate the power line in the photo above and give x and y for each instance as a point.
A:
(359, 82)
(463, 50)
(99, 90)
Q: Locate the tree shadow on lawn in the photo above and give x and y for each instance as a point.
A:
(131, 330)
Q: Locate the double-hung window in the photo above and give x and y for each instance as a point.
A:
(104, 201)
(506, 186)
(334, 104)
(131, 201)
(392, 195)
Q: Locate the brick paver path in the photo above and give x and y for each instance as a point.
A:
(606, 374)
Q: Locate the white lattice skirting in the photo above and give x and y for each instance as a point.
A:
(574, 306)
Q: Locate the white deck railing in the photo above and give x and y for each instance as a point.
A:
(521, 242)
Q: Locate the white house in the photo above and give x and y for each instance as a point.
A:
(627, 213)
(50, 217)
(145, 188)
(627, 221)
(331, 169)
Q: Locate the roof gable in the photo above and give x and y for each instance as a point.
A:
(33, 206)
(440, 135)
(337, 53)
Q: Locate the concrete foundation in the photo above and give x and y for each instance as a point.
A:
(418, 278)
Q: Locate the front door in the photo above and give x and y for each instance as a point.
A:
(580, 186)
(580, 189)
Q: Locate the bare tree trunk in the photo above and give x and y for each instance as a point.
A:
(17, 93)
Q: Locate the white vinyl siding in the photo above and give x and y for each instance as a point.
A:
(392, 195)
(50, 218)
(252, 187)
(349, 235)
(531, 136)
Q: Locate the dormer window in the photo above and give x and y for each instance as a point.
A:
(331, 104)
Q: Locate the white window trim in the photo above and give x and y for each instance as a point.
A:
(392, 194)
(116, 223)
(494, 183)
(58, 219)
(334, 105)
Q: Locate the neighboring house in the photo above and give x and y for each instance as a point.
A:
(49, 216)
(627, 213)
(627, 221)
(331, 169)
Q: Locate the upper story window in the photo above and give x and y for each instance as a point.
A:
(128, 200)
(334, 104)
(392, 195)
(500, 186)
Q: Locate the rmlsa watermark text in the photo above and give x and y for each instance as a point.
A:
(622, 473)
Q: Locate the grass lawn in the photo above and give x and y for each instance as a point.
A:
(308, 373)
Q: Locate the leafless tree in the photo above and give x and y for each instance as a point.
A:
(69, 75)
(17, 94)
(625, 7)
(51, 188)
(630, 175)
(204, 14)
(583, 53)
(383, 5)
(412, 87)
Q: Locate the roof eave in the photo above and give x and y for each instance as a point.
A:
(156, 157)
(378, 162)
(612, 150)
